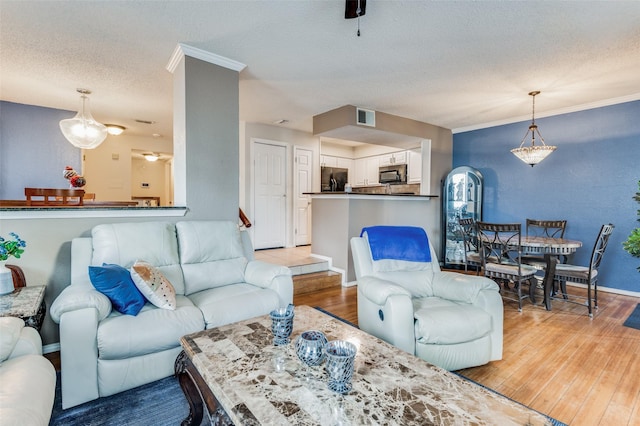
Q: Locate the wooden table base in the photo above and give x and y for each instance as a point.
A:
(198, 395)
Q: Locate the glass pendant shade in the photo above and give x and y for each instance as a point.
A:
(533, 154)
(82, 130)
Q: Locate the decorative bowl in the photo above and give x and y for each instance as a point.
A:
(310, 347)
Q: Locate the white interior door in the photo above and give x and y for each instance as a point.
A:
(303, 183)
(270, 195)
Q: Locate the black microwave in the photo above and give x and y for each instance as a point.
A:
(393, 174)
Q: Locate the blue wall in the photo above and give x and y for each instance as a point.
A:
(33, 151)
(589, 180)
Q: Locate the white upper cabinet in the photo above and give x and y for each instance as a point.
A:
(328, 161)
(393, 158)
(366, 171)
(414, 166)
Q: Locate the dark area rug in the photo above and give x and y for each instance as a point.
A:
(634, 319)
(158, 403)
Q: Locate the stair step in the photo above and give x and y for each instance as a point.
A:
(307, 283)
(310, 266)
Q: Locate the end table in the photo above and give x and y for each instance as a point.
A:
(26, 303)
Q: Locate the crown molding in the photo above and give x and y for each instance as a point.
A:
(183, 50)
(568, 110)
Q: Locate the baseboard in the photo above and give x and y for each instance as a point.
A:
(53, 347)
(329, 260)
(608, 290)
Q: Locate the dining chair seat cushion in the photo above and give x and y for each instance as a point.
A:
(443, 322)
(474, 257)
(510, 269)
(575, 271)
(537, 262)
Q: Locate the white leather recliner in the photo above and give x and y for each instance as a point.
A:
(449, 319)
(27, 379)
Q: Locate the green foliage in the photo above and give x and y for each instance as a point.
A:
(11, 247)
(632, 245)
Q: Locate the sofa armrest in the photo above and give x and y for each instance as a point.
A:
(274, 277)
(378, 290)
(461, 287)
(262, 274)
(74, 298)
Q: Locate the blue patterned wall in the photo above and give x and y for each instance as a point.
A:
(589, 180)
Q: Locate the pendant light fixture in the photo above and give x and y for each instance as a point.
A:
(82, 130)
(533, 154)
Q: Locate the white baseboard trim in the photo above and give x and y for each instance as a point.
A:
(350, 284)
(340, 271)
(53, 347)
(608, 290)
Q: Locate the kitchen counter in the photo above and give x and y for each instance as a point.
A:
(339, 216)
(368, 194)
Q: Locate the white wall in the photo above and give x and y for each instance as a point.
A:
(108, 168)
(289, 137)
(153, 175)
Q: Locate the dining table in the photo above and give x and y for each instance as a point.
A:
(551, 249)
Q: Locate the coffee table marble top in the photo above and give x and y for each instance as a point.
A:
(258, 383)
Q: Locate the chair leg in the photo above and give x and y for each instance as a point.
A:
(519, 284)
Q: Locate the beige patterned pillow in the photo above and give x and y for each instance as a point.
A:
(154, 286)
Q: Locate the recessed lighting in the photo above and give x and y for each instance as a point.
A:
(156, 135)
(115, 129)
(150, 156)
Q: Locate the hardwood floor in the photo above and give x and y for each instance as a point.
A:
(561, 363)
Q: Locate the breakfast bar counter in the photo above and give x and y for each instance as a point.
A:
(339, 216)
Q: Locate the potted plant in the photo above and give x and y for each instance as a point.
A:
(15, 248)
(632, 245)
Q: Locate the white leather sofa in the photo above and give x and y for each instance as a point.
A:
(449, 319)
(27, 379)
(216, 279)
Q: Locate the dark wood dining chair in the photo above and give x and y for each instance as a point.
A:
(587, 275)
(501, 254)
(54, 197)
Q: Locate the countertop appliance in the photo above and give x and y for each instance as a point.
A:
(333, 179)
(393, 174)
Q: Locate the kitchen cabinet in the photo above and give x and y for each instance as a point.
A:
(331, 161)
(328, 161)
(414, 166)
(366, 171)
(393, 158)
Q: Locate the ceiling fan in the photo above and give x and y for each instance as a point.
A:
(355, 8)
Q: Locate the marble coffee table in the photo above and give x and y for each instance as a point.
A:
(244, 379)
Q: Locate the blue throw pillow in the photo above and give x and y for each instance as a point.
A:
(115, 282)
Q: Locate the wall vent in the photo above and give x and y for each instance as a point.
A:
(365, 117)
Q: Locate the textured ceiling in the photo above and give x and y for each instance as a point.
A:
(454, 64)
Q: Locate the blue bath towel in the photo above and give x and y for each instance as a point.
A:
(407, 243)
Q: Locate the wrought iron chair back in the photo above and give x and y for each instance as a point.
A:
(501, 253)
(585, 274)
(471, 246)
(546, 228)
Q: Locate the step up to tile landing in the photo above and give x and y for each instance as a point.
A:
(307, 283)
